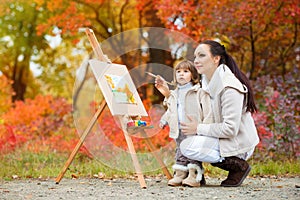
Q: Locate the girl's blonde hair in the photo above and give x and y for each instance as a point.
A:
(186, 64)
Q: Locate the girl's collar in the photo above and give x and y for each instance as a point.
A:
(187, 85)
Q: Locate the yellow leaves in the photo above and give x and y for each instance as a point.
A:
(39, 3)
(6, 93)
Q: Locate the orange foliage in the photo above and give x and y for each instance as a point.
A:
(28, 111)
(41, 123)
(67, 18)
(53, 5)
(6, 93)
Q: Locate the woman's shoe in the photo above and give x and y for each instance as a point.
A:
(238, 171)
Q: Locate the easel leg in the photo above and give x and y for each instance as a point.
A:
(80, 142)
(133, 156)
(135, 161)
(157, 157)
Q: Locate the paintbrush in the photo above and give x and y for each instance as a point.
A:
(153, 75)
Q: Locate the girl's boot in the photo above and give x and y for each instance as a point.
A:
(180, 173)
(194, 177)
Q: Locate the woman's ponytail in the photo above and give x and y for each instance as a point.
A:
(217, 49)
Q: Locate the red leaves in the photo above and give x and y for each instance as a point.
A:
(65, 16)
(272, 102)
(9, 140)
(278, 118)
(40, 123)
(46, 124)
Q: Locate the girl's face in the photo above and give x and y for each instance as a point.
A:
(204, 61)
(183, 76)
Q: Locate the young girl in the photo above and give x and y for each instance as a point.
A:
(183, 105)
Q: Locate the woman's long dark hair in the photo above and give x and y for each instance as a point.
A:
(217, 49)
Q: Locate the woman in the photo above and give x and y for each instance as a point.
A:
(232, 103)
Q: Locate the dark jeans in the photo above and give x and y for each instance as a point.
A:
(179, 157)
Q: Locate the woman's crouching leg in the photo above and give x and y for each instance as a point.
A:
(201, 148)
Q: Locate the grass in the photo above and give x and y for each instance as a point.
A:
(266, 168)
(23, 164)
(49, 165)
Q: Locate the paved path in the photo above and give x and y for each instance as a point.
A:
(95, 189)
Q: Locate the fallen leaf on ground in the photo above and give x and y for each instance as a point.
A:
(74, 176)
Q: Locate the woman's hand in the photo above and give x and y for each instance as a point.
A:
(162, 86)
(189, 128)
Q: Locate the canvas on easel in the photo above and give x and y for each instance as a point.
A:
(118, 88)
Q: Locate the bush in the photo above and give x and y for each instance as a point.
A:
(277, 120)
(46, 123)
(43, 123)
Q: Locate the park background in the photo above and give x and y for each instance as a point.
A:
(43, 46)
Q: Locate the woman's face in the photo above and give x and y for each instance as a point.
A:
(204, 61)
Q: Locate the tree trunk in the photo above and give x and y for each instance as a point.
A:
(252, 42)
(158, 56)
(19, 86)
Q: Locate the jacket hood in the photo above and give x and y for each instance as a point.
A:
(222, 78)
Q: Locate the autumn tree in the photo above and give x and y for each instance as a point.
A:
(107, 19)
(262, 34)
(58, 66)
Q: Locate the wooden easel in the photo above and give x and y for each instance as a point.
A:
(99, 54)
